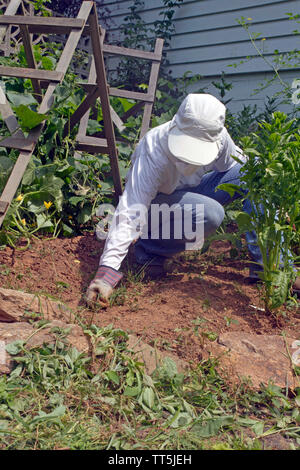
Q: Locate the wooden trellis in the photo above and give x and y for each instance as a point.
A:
(146, 100)
(10, 35)
(86, 23)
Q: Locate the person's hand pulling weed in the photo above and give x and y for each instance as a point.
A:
(102, 286)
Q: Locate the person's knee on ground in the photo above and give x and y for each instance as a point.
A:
(203, 220)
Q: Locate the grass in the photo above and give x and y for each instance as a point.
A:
(58, 398)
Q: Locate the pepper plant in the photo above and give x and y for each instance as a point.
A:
(270, 179)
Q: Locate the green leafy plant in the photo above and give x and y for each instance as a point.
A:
(270, 180)
(59, 398)
(60, 190)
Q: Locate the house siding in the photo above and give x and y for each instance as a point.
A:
(208, 41)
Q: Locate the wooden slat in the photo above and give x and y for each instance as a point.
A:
(31, 61)
(21, 72)
(135, 53)
(152, 88)
(117, 120)
(9, 117)
(133, 95)
(53, 21)
(120, 92)
(18, 143)
(137, 107)
(88, 87)
(91, 144)
(3, 206)
(102, 83)
(48, 29)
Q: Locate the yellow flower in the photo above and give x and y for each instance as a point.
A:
(249, 19)
(263, 39)
(23, 222)
(20, 197)
(48, 204)
(99, 186)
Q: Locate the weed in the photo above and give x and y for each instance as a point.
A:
(230, 321)
(118, 297)
(57, 397)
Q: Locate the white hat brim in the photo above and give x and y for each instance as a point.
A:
(190, 149)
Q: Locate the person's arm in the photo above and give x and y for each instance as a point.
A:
(142, 186)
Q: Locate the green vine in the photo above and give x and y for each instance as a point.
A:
(137, 34)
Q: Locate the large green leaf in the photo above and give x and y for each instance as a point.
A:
(280, 287)
(93, 126)
(43, 221)
(132, 391)
(148, 397)
(5, 163)
(230, 188)
(29, 174)
(244, 221)
(48, 62)
(212, 426)
(27, 118)
(170, 367)
(113, 376)
(181, 419)
(15, 347)
(56, 413)
(18, 99)
(85, 214)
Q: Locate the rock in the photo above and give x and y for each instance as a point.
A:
(262, 358)
(34, 337)
(19, 306)
(150, 356)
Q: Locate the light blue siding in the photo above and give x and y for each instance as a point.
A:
(208, 40)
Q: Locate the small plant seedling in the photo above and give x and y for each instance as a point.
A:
(230, 321)
(198, 322)
(205, 304)
(210, 335)
(5, 271)
(62, 285)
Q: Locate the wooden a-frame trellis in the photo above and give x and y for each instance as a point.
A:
(86, 23)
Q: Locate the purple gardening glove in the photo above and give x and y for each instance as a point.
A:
(103, 285)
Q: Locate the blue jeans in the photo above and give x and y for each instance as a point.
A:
(155, 251)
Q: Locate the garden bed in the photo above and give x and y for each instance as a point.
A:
(201, 297)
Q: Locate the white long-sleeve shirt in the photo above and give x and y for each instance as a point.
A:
(154, 171)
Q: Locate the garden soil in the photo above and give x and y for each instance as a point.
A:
(200, 297)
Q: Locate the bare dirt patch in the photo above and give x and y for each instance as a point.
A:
(200, 297)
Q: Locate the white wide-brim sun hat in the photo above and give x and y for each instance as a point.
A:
(195, 131)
